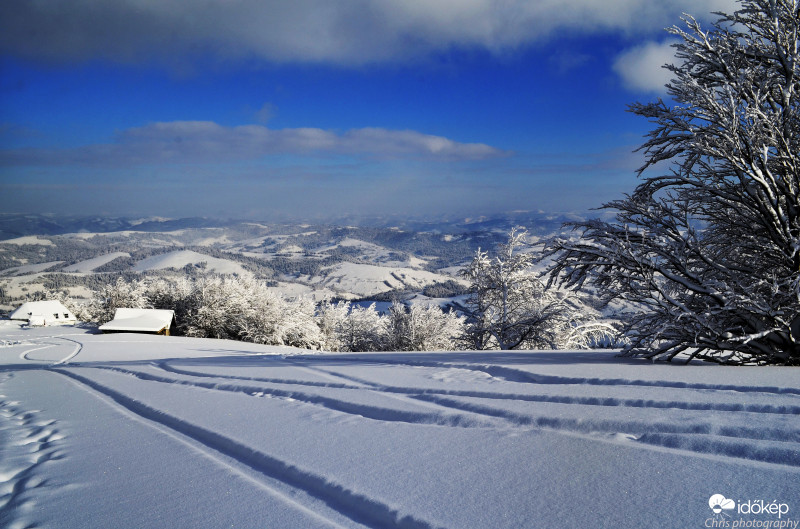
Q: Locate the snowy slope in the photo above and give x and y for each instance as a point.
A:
(372, 252)
(29, 239)
(367, 280)
(29, 269)
(89, 265)
(145, 431)
(180, 258)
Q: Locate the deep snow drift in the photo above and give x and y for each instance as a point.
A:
(146, 431)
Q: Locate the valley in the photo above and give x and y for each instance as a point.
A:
(358, 262)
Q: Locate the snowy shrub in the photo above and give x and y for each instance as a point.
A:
(230, 307)
(593, 335)
(300, 328)
(331, 321)
(245, 309)
(215, 308)
(419, 328)
(105, 301)
(362, 330)
(272, 319)
(212, 306)
(354, 328)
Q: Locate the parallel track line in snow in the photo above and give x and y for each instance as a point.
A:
(772, 445)
(516, 375)
(355, 506)
(767, 446)
(165, 366)
(584, 401)
(201, 449)
(739, 442)
(378, 413)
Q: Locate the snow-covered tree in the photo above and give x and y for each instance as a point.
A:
(362, 330)
(120, 294)
(271, 318)
(331, 319)
(709, 250)
(246, 309)
(510, 308)
(423, 328)
(172, 294)
(215, 308)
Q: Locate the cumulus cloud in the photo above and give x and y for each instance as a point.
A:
(345, 32)
(642, 68)
(209, 142)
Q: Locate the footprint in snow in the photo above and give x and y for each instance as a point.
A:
(27, 443)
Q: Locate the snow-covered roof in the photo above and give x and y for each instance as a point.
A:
(140, 320)
(46, 310)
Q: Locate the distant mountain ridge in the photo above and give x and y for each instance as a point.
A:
(19, 225)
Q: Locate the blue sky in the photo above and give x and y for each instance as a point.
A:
(314, 109)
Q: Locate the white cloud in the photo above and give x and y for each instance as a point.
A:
(641, 68)
(209, 142)
(347, 32)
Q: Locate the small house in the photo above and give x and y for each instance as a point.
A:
(148, 321)
(43, 313)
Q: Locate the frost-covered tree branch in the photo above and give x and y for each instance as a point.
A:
(709, 250)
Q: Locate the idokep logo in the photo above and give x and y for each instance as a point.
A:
(763, 507)
(719, 503)
(773, 512)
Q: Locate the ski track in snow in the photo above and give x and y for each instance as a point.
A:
(483, 409)
(358, 507)
(44, 344)
(341, 405)
(516, 375)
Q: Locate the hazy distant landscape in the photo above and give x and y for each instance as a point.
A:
(372, 261)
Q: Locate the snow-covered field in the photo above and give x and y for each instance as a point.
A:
(115, 431)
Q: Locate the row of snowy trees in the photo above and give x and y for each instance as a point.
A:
(246, 309)
(508, 308)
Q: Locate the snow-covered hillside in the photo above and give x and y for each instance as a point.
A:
(181, 258)
(89, 265)
(320, 261)
(367, 280)
(147, 431)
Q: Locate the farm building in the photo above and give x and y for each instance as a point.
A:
(149, 321)
(43, 313)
